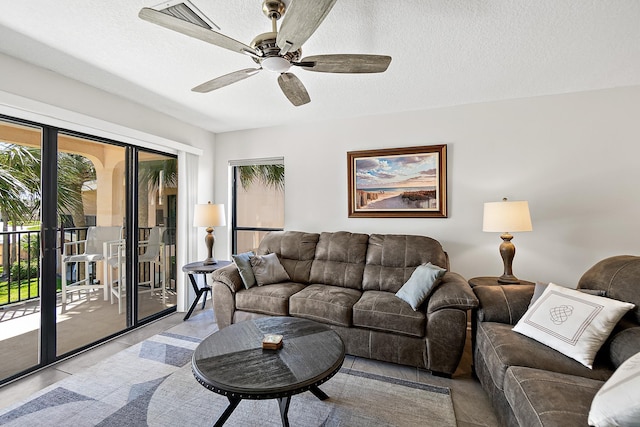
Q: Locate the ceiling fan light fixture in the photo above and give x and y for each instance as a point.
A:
(276, 64)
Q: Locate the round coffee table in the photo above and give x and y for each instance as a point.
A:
(232, 362)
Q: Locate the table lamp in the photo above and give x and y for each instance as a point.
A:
(506, 217)
(209, 216)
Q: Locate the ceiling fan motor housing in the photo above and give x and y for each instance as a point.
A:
(270, 57)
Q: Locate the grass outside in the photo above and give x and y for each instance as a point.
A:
(23, 288)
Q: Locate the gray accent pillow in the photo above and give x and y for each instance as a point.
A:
(422, 281)
(540, 287)
(243, 262)
(267, 269)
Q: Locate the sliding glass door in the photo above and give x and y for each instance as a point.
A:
(20, 153)
(157, 206)
(87, 241)
(92, 212)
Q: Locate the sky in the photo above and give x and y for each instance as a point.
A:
(396, 171)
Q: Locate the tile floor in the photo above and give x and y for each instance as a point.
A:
(472, 406)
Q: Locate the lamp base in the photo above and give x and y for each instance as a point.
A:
(508, 279)
(209, 240)
(507, 252)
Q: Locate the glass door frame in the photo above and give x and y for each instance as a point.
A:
(49, 245)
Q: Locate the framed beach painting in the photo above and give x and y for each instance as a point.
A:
(408, 182)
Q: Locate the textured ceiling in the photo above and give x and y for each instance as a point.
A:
(445, 52)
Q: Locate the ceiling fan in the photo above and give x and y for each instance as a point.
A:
(275, 51)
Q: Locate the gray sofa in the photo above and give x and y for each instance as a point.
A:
(531, 384)
(348, 281)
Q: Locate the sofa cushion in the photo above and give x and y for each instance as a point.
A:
(543, 398)
(572, 322)
(295, 250)
(392, 258)
(623, 343)
(272, 299)
(501, 348)
(385, 312)
(326, 304)
(339, 259)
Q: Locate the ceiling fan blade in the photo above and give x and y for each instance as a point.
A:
(225, 80)
(345, 63)
(301, 19)
(293, 89)
(196, 31)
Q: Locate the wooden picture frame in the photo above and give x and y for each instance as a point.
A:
(408, 182)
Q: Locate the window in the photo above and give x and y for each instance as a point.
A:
(258, 201)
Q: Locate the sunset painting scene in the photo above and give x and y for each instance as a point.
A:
(406, 182)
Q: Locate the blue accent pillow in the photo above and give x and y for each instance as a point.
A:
(422, 281)
(243, 262)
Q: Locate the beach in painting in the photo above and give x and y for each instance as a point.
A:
(397, 182)
(397, 198)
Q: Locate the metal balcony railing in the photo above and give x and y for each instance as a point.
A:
(20, 263)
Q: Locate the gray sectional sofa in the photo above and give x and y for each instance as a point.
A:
(531, 384)
(348, 281)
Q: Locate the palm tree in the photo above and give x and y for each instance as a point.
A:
(154, 176)
(19, 185)
(19, 173)
(271, 176)
(74, 171)
(20, 182)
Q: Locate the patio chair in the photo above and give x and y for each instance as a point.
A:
(151, 255)
(95, 247)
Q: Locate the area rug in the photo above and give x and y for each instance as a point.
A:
(151, 384)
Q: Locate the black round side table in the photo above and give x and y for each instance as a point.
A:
(200, 268)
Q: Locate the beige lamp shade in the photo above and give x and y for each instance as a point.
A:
(506, 216)
(209, 215)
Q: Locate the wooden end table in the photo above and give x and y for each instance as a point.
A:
(200, 268)
(231, 362)
(493, 281)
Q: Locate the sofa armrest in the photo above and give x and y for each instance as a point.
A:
(230, 276)
(452, 292)
(503, 303)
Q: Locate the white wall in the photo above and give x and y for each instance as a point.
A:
(574, 157)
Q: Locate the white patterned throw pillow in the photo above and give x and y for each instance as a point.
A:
(617, 403)
(571, 322)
